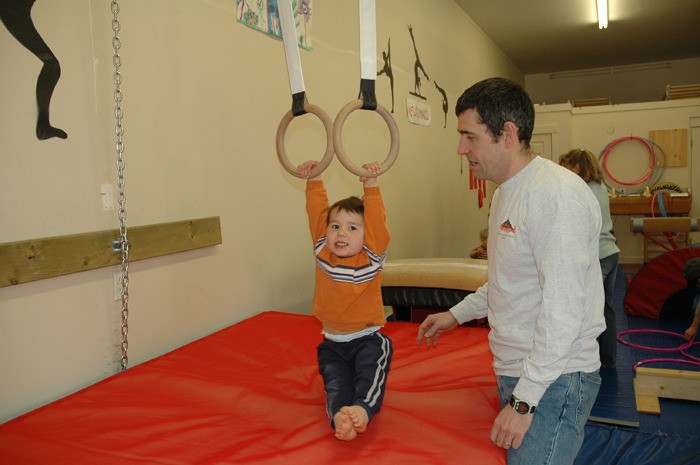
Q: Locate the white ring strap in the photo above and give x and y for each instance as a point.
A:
(367, 99)
(368, 40)
(291, 48)
(300, 105)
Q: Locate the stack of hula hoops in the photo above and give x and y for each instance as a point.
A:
(657, 164)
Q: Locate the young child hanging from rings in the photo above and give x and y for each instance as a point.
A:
(350, 243)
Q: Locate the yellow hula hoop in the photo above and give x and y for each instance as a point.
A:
(338, 139)
(282, 130)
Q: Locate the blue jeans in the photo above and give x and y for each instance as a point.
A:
(608, 338)
(556, 433)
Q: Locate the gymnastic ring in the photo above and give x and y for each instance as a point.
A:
(282, 130)
(338, 139)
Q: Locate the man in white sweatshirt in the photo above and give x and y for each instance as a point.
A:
(544, 296)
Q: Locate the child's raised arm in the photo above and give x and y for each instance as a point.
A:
(371, 181)
(305, 170)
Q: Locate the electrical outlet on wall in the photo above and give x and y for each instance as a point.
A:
(107, 194)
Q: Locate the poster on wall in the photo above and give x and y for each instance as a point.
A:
(418, 112)
(263, 15)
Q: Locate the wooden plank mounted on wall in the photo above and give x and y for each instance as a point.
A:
(674, 142)
(35, 259)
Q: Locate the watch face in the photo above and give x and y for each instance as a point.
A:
(522, 407)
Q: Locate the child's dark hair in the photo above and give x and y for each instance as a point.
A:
(351, 204)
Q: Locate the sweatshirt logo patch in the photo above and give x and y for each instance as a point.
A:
(507, 228)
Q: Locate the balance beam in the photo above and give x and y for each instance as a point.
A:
(666, 224)
(465, 274)
(424, 285)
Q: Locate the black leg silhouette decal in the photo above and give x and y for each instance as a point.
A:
(16, 16)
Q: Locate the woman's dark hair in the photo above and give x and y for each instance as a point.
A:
(588, 167)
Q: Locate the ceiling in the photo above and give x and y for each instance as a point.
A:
(545, 36)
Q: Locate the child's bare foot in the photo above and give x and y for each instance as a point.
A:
(344, 426)
(359, 417)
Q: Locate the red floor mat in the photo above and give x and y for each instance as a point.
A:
(251, 394)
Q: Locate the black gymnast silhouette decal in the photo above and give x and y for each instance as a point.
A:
(445, 105)
(388, 71)
(16, 16)
(416, 67)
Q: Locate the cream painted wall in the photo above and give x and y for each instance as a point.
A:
(202, 99)
(595, 127)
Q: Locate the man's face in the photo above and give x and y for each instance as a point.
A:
(487, 159)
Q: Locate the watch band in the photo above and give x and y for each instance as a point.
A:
(521, 406)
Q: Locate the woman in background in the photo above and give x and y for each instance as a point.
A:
(585, 164)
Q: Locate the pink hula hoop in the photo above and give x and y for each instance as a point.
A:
(695, 361)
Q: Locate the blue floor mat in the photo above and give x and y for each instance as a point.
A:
(672, 438)
(615, 403)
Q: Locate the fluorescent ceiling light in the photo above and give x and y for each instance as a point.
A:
(602, 14)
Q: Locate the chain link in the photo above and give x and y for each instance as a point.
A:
(123, 242)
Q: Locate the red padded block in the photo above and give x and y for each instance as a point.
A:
(656, 281)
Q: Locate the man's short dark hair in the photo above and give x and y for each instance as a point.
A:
(497, 100)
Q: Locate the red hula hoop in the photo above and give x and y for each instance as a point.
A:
(641, 180)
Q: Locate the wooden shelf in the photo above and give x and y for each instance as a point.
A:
(640, 205)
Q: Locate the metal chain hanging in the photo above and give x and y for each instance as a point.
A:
(121, 244)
